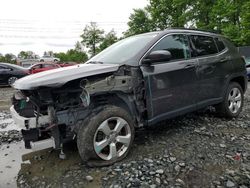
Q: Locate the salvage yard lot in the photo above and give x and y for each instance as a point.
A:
(195, 150)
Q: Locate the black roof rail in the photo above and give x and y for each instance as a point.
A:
(195, 29)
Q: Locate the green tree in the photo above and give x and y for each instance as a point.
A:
(23, 55)
(139, 22)
(78, 47)
(245, 24)
(73, 55)
(92, 37)
(109, 39)
(231, 18)
(76, 56)
(48, 53)
(8, 58)
(169, 13)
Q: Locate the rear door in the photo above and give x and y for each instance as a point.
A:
(171, 85)
(211, 68)
(4, 74)
(37, 68)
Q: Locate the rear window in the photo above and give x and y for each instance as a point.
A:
(48, 66)
(220, 44)
(203, 45)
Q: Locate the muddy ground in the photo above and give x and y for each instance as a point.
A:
(195, 150)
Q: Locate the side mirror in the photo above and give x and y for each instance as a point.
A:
(157, 56)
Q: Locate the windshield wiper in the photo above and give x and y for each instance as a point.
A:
(95, 62)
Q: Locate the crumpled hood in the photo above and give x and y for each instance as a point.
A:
(60, 76)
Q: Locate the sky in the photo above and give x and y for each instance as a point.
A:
(44, 25)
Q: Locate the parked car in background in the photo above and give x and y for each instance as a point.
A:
(67, 64)
(49, 59)
(136, 82)
(9, 73)
(40, 67)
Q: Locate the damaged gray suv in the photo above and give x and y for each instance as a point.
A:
(136, 82)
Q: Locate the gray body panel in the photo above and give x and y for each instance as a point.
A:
(58, 77)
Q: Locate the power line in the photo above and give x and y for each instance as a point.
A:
(37, 37)
(16, 21)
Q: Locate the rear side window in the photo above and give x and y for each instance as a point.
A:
(48, 66)
(2, 67)
(220, 44)
(203, 45)
(177, 45)
(37, 67)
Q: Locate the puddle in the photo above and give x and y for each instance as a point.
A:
(10, 163)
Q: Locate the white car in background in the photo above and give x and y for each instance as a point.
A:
(49, 59)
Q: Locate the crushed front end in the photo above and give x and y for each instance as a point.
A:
(51, 116)
(45, 116)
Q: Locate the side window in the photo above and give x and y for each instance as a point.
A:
(220, 44)
(48, 65)
(37, 67)
(203, 45)
(177, 45)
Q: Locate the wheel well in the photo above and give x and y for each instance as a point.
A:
(114, 99)
(240, 80)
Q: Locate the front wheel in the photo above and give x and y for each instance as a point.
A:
(12, 80)
(106, 136)
(233, 101)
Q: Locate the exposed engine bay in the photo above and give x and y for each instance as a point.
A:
(58, 111)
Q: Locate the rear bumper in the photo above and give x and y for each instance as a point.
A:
(28, 123)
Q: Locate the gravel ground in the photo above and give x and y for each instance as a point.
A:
(196, 150)
(5, 93)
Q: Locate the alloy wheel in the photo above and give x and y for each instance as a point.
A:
(234, 100)
(112, 138)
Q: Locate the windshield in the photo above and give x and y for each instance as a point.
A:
(123, 50)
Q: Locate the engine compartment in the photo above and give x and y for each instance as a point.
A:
(67, 106)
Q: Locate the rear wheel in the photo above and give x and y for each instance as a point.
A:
(11, 80)
(106, 136)
(233, 101)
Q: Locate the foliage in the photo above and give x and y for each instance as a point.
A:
(48, 53)
(109, 39)
(72, 55)
(23, 55)
(245, 23)
(27, 55)
(231, 18)
(139, 22)
(92, 37)
(8, 58)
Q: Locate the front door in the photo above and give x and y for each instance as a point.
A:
(172, 85)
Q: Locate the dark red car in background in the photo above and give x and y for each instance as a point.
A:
(40, 67)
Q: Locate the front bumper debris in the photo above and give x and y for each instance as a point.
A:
(28, 123)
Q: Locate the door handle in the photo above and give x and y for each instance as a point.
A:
(223, 60)
(189, 66)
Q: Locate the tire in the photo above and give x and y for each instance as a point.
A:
(55, 60)
(41, 60)
(100, 134)
(232, 103)
(11, 80)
